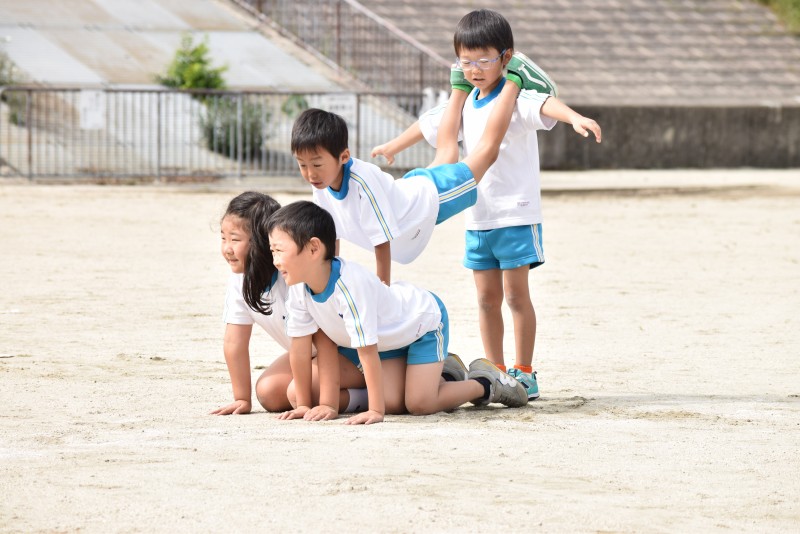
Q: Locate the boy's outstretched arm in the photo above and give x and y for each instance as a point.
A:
(383, 262)
(373, 375)
(556, 109)
(488, 148)
(390, 149)
(329, 379)
(300, 361)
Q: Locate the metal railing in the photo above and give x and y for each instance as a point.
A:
(160, 133)
(357, 41)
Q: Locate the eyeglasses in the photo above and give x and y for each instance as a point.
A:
(483, 63)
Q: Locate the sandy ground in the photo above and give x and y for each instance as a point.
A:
(668, 357)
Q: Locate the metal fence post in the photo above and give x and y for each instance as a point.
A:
(339, 33)
(28, 95)
(239, 140)
(358, 123)
(158, 137)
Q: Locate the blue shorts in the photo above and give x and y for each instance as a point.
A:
(504, 248)
(456, 185)
(430, 348)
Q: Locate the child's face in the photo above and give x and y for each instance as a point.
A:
(293, 263)
(322, 169)
(235, 243)
(484, 80)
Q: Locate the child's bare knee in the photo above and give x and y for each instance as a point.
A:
(490, 303)
(272, 395)
(518, 301)
(419, 405)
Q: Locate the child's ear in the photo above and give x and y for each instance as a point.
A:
(344, 157)
(316, 247)
(507, 56)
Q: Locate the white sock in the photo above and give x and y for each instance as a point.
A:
(359, 401)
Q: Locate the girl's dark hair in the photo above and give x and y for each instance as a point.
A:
(315, 129)
(483, 28)
(254, 210)
(303, 220)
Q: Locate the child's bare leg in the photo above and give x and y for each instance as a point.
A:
(447, 138)
(488, 147)
(426, 393)
(271, 386)
(517, 292)
(394, 384)
(489, 285)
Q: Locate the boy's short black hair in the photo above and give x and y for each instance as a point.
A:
(483, 28)
(303, 220)
(316, 128)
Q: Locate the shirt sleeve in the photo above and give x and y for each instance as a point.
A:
(236, 310)
(529, 107)
(299, 322)
(429, 124)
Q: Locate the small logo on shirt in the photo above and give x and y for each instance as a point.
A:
(523, 203)
(417, 234)
(342, 316)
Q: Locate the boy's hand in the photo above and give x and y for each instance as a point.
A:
(383, 150)
(297, 413)
(235, 408)
(365, 418)
(583, 125)
(321, 413)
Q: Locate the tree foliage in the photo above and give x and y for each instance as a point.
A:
(191, 67)
(788, 11)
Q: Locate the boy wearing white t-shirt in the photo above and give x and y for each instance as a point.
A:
(371, 209)
(504, 227)
(397, 335)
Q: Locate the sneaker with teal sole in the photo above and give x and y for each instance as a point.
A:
(503, 388)
(528, 75)
(454, 369)
(528, 380)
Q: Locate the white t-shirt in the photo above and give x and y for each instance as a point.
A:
(510, 192)
(372, 208)
(238, 312)
(357, 310)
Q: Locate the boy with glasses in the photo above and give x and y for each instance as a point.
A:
(504, 227)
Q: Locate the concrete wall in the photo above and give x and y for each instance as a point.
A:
(678, 137)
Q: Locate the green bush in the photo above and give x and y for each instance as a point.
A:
(788, 11)
(191, 67)
(15, 100)
(220, 132)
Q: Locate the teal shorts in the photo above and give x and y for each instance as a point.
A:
(504, 248)
(430, 348)
(456, 185)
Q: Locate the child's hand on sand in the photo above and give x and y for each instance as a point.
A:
(321, 413)
(297, 413)
(365, 418)
(239, 407)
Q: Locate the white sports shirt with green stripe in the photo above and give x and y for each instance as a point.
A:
(372, 208)
(509, 193)
(357, 310)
